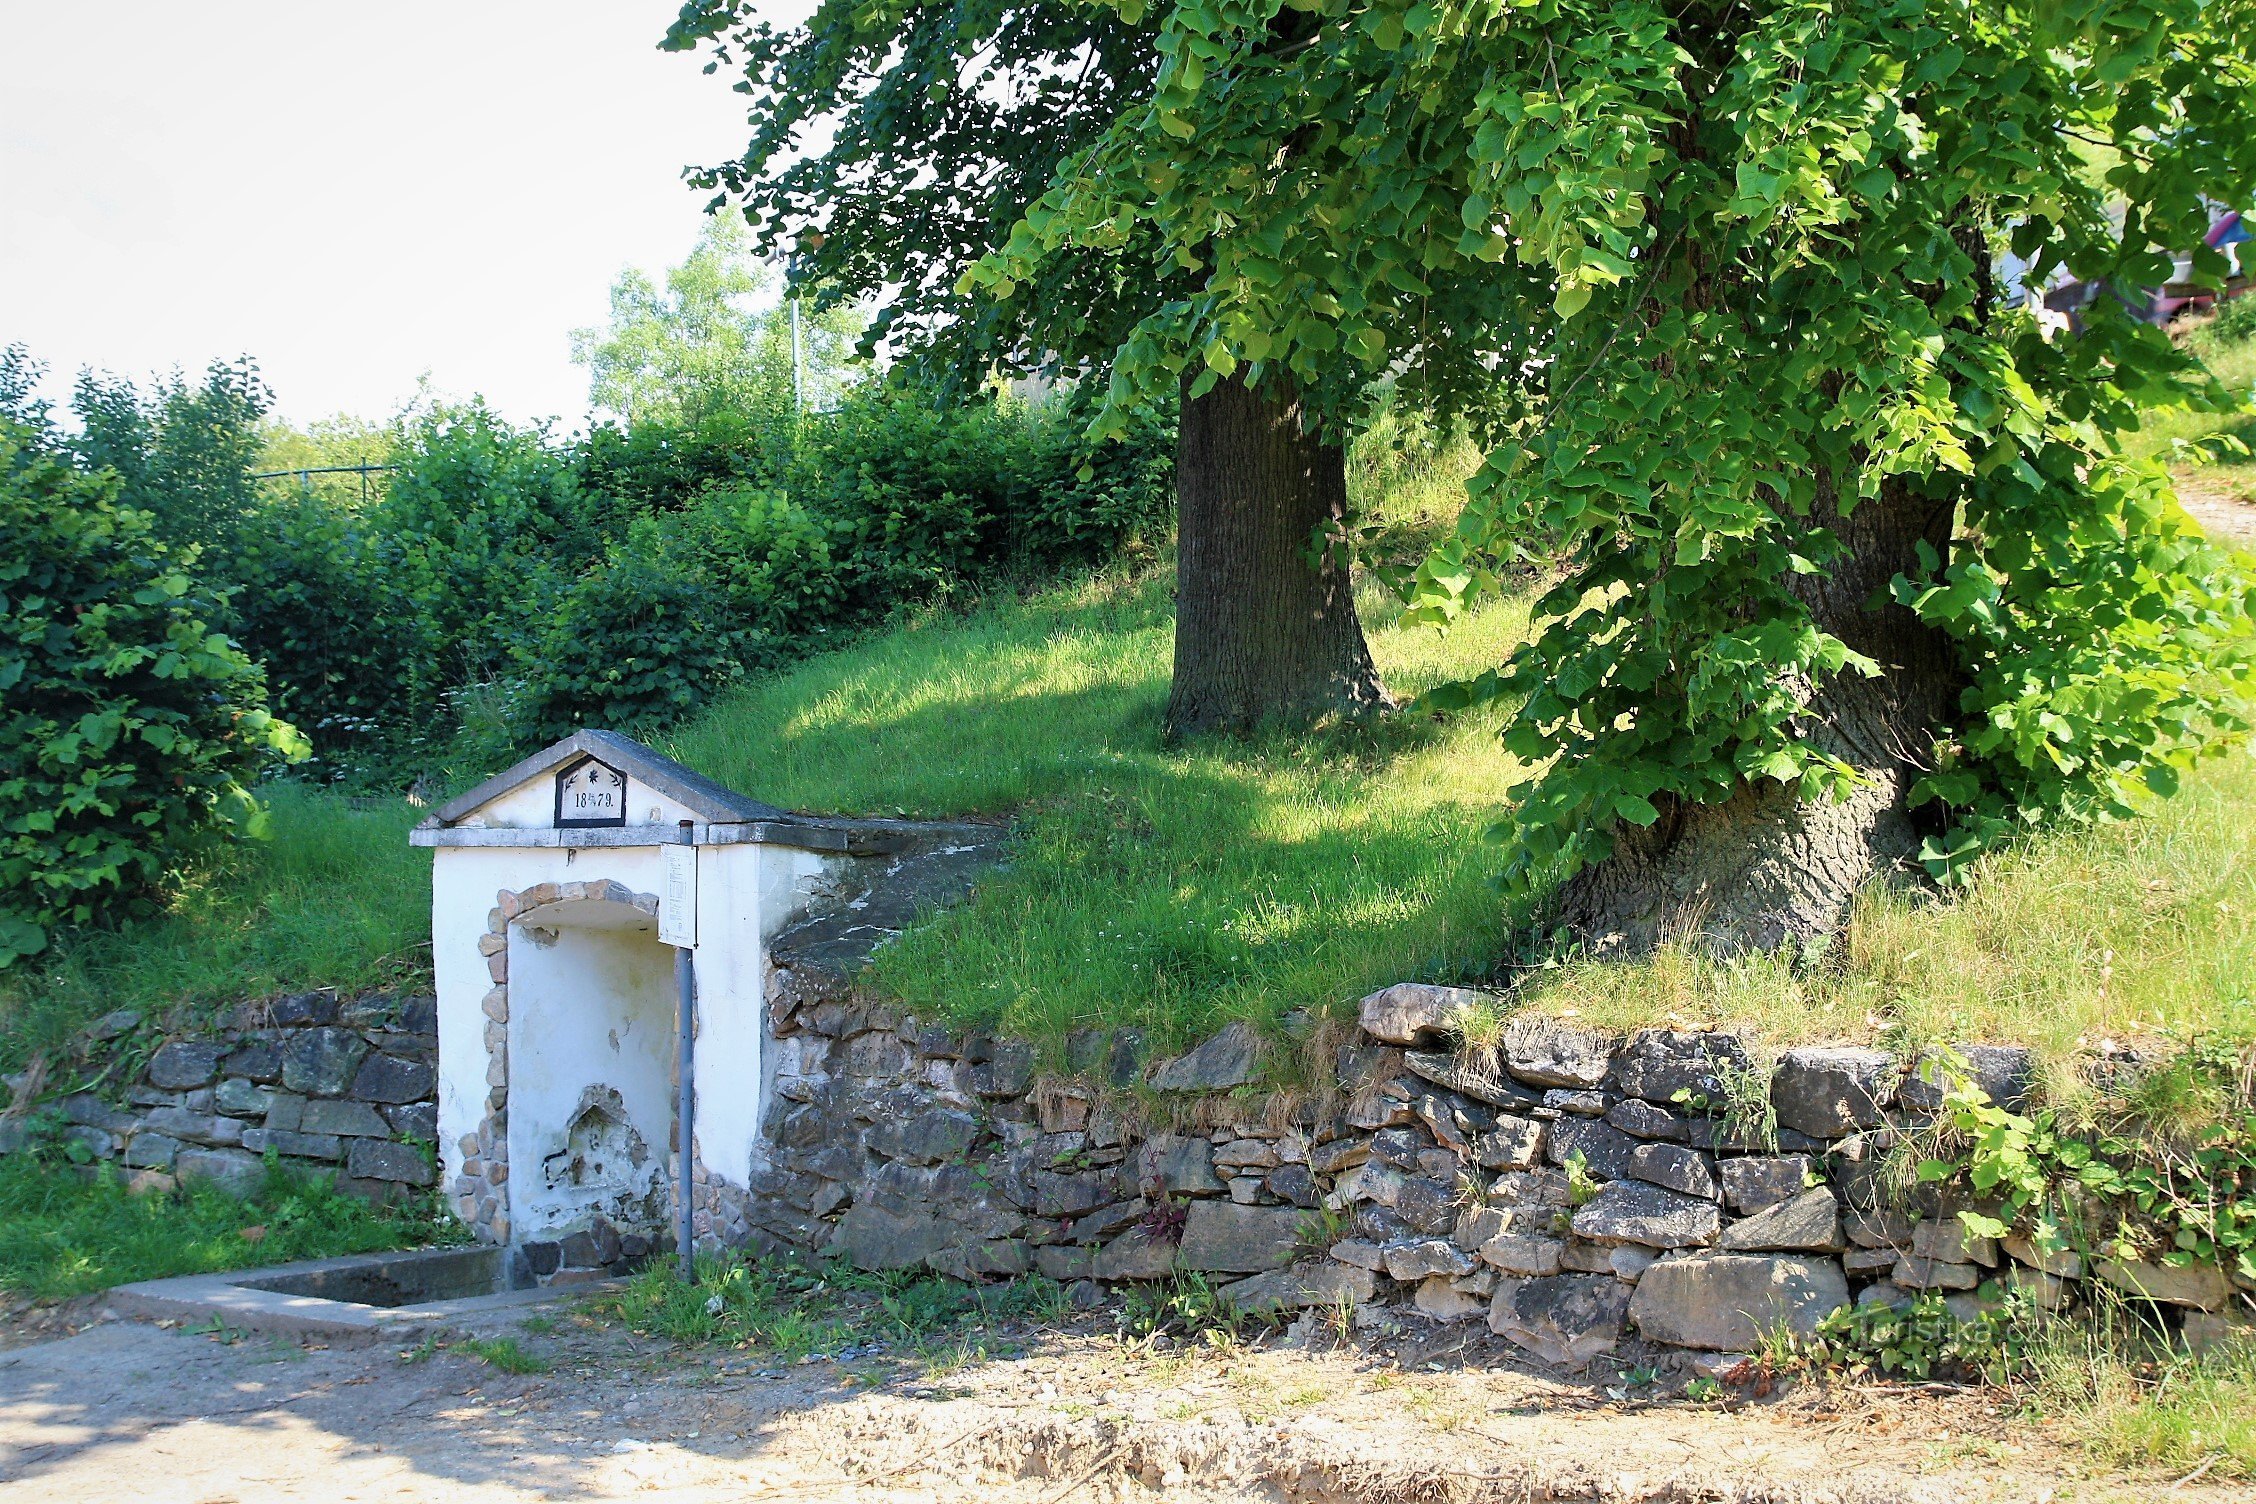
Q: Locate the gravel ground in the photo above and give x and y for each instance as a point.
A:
(140, 1414)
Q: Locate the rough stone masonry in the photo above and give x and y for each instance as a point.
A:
(1567, 1189)
(341, 1088)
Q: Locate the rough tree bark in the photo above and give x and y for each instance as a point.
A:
(1261, 634)
(1766, 867)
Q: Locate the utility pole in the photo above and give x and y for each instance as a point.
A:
(798, 365)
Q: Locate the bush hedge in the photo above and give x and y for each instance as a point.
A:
(508, 586)
(502, 583)
(130, 729)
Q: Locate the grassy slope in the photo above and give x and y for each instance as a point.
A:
(1178, 889)
(1172, 890)
(2142, 928)
(2233, 364)
(336, 897)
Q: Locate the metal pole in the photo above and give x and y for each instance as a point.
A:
(685, 990)
(798, 366)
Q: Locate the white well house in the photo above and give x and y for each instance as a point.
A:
(559, 1040)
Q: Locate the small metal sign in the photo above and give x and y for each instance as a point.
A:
(677, 905)
(590, 794)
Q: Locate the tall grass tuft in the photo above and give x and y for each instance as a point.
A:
(2137, 1403)
(2143, 929)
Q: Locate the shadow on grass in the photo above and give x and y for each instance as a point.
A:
(1172, 889)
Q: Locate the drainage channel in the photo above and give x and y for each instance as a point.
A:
(367, 1297)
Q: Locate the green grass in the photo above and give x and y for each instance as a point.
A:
(2232, 362)
(788, 1310)
(1169, 889)
(2189, 1415)
(2137, 1405)
(69, 1232)
(2143, 928)
(335, 897)
(504, 1353)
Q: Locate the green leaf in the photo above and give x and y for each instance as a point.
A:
(1981, 1226)
(1636, 809)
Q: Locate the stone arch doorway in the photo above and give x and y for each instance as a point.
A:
(580, 1045)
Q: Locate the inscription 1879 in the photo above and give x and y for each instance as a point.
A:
(588, 793)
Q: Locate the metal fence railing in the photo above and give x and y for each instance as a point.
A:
(306, 473)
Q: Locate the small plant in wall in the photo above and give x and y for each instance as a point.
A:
(1317, 1231)
(2184, 1202)
(1740, 1104)
(1186, 1304)
(1164, 1219)
(1582, 1186)
(1921, 1339)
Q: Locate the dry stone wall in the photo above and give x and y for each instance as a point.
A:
(1570, 1190)
(342, 1088)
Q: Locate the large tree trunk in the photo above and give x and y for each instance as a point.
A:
(1766, 867)
(1262, 634)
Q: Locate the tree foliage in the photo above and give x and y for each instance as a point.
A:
(182, 451)
(895, 145)
(714, 341)
(1713, 276)
(130, 729)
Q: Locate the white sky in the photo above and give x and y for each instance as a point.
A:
(353, 194)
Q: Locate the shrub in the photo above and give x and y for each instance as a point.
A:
(888, 501)
(918, 492)
(661, 464)
(1073, 502)
(771, 561)
(313, 603)
(930, 495)
(183, 454)
(2235, 321)
(129, 729)
(634, 644)
(480, 531)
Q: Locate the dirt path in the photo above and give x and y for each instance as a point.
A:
(128, 1413)
(2223, 509)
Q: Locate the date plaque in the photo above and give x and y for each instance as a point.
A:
(590, 794)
